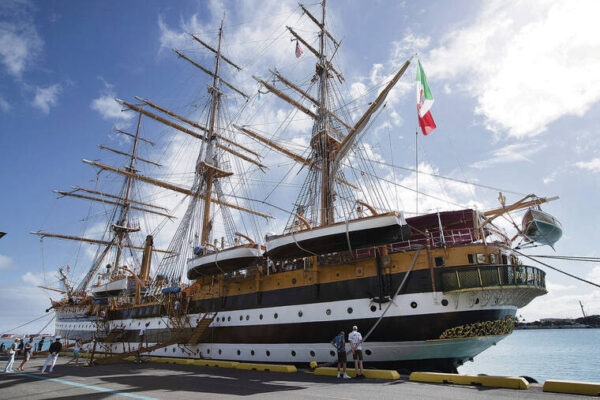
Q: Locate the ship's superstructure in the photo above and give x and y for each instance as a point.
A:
(428, 291)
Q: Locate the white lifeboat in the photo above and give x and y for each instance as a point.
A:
(342, 236)
(227, 260)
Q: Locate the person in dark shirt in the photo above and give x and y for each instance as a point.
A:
(28, 349)
(55, 348)
(340, 345)
(41, 344)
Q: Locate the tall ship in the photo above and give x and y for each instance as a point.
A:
(429, 291)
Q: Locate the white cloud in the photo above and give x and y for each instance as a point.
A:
(557, 287)
(107, 106)
(33, 279)
(594, 275)
(5, 262)
(20, 42)
(4, 105)
(46, 97)
(592, 165)
(510, 154)
(527, 63)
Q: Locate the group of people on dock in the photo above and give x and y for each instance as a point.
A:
(19, 346)
(339, 342)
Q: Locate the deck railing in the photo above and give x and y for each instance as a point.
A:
(473, 277)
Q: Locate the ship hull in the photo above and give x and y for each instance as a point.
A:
(406, 337)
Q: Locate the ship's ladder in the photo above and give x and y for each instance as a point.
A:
(201, 327)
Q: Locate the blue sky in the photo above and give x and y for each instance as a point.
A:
(516, 91)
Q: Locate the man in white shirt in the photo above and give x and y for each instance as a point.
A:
(355, 339)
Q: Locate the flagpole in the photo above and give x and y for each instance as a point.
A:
(417, 168)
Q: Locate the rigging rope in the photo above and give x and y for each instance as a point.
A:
(26, 323)
(556, 269)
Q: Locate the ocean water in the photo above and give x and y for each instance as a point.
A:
(569, 354)
(45, 346)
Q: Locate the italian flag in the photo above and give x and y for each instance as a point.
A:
(424, 102)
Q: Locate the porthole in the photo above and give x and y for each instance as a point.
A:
(268, 353)
(247, 317)
(293, 353)
(239, 352)
(139, 323)
(275, 315)
(220, 351)
(312, 353)
(477, 300)
(359, 271)
(252, 352)
(173, 350)
(293, 281)
(328, 311)
(413, 304)
(207, 351)
(368, 352)
(373, 308)
(337, 275)
(260, 316)
(159, 322)
(300, 313)
(332, 353)
(444, 302)
(217, 319)
(241, 317)
(229, 318)
(350, 310)
(166, 350)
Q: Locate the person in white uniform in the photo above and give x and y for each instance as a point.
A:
(12, 350)
(55, 348)
(355, 339)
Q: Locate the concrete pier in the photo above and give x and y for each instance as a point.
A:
(128, 380)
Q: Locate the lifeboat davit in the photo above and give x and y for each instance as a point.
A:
(223, 261)
(541, 227)
(354, 234)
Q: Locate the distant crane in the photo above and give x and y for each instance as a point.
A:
(582, 311)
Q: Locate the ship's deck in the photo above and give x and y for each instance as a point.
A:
(165, 381)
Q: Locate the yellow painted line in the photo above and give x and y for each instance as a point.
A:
(267, 367)
(573, 387)
(508, 382)
(369, 373)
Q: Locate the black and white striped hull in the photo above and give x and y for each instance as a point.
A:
(407, 336)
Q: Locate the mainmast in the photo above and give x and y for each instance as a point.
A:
(123, 227)
(321, 139)
(210, 160)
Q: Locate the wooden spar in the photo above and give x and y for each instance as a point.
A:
(100, 200)
(307, 96)
(273, 145)
(516, 206)
(172, 187)
(129, 155)
(362, 122)
(187, 121)
(49, 288)
(214, 51)
(326, 192)
(88, 240)
(315, 52)
(188, 131)
(285, 97)
(285, 151)
(77, 188)
(296, 88)
(132, 135)
(316, 21)
(308, 46)
(200, 67)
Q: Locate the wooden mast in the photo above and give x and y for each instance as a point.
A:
(122, 226)
(326, 206)
(209, 172)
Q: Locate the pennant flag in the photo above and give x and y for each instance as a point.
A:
(424, 102)
(299, 51)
